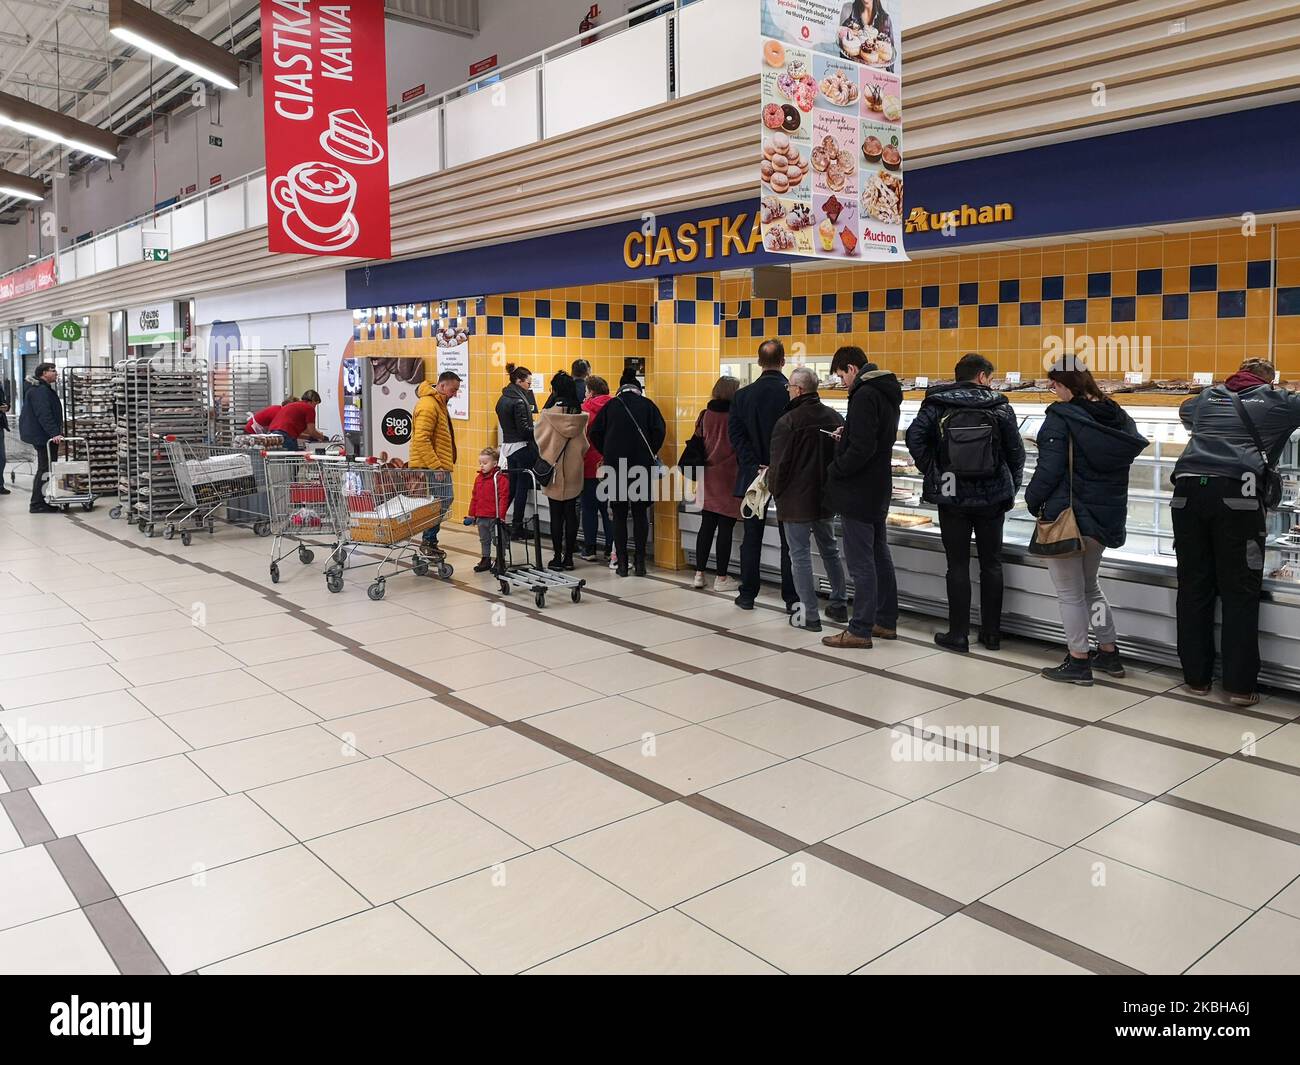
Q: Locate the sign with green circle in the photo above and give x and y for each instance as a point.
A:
(69, 331)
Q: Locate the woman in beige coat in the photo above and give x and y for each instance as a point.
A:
(561, 435)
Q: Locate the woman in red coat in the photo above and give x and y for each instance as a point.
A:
(488, 502)
(591, 503)
(719, 503)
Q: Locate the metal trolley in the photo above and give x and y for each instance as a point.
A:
(530, 574)
(68, 483)
(375, 506)
(299, 509)
(211, 477)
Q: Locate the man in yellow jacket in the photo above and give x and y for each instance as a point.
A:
(433, 441)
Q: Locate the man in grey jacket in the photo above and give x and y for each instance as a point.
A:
(1219, 522)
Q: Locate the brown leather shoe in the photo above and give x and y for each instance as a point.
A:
(881, 633)
(847, 639)
(1246, 699)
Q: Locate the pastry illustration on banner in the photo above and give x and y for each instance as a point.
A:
(837, 84)
(787, 225)
(882, 97)
(349, 139)
(834, 155)
(316, 200)
(837, 225)
(784, 167)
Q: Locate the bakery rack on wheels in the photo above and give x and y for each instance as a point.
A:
(68, 484)
(240, 385)
(530, 574)
(299, 508)
(212, 478)
(89, 416)
(375, 506)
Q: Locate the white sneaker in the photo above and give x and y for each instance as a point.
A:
(699, 581)
(724, 584)
(613, 560)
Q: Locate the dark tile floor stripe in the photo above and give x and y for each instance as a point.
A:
(1230, 818)
(1081, 778)
(123, 940)
(765, 833)
(899, 885)
(26, 817)
(1063, 948)
(1267, 763)
(629, 778)
(79, 871)
(797, 697)
(1167, 741)
(14, 770)
(462, 706)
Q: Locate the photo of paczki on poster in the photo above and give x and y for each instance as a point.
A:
(831, 129)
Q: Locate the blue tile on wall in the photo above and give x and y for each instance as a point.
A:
(968, 293)
(948, 318)
(1099, 285)
(543, 309)
(912, 319)
(756, 327)
(844, 322)
(770, 309)
(1259, 273)
(1123, 308)
(685, 312)
(666, 290)
(1175, 307)
(785, 326)
(616, 330)
(573, 310)
(588, 330)
(510, 306)
(654, 313)
(1151, 282)
(828, 303)
(496, 325)
(1031, 314)
(717, 312)
(527, 327)
(602, 312)
(876, 321)
(1203, 278)
(1053, 287)
(1008, 291)
(730, 328)
(1288, 301)
(1232, 303)
(929, 295)
(861, 301)
(559, 327)
(814, 326)
(893, 299)
(480, 305)
(988, 314)
(799, 305)
(1076, 312)
(704, 288)
(629, 312)
(643, 330)
(745, 310)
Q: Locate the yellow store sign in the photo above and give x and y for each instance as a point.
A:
(729, 235)
(921, 220)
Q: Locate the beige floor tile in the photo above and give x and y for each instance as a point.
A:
(1268, 944)
(65, 945)
(712, 651)
(1134, 917)
(9, 838)
(976, 724)
(177, 696)
(778, 630)
(289, 646)
(234, 611)
(806, 801)
(691, 759)
(423, 648)
(176, 666)
(84, 803)
(880, 698)
(87, 711)
(895, 761)
(188, 842)
(519, 914)
(553, 804)
(408, 852)
(699, 697)
(126, 607)
(184, 637)
(565, 649)
(959, 946)
(50, 660)
(1281, 746)
(378, 942)
(54, 618)
(1288, 900)
(667, 944)
(1235, 864)
(1047, 807)
(77, 752)
(397, 728)
(649, 631)
(239, 907)
(885, 654)
(40, 639)
(716, 610)
(512, 626)
(33, 887)
(477, 760)
(253, 763)
(344, 613)
(605, 723)
(314, 669)
(527, 695)
(355, 695)
(669, 854)
(806, 916)
(946, 850)
(350, 795)
(1249, 790)
(239, 720)
(961, 672)
(1206, 726)
(381, 630)
(264, 627)
(1143, 764)
(475, 670)
(793, 672)
(1088, 704)
(621, 674)
(786, 728)
(677, 600)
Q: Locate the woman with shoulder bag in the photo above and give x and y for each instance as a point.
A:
(561, 436)
(1079, 494)
(716, 484)
(514, 411)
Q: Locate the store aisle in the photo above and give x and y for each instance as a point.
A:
(205, 772)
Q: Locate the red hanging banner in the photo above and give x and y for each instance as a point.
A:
(35, 278)
(325, 112)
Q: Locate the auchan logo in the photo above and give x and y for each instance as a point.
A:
(921, 220)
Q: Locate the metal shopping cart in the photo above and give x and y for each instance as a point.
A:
(69, 481)
(17, 453)
(374, 506)
(299, 509)
(530, 574)
(211, 477)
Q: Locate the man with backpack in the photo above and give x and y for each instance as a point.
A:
(966, 442)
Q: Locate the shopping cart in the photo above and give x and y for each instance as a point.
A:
(210, 477)
(69, 481)
(299, 510)
(17, 453)
(374, 506)
(531, 575)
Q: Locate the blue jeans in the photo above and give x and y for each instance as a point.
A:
(290, 442)
(800, 534)
(592, 507)
(875, 588)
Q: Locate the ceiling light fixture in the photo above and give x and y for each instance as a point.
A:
(158, 35)
(25, 188)
(55, 126)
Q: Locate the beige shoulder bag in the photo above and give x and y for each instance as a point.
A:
(1060, 537)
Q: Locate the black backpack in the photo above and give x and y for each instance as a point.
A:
(969, 443)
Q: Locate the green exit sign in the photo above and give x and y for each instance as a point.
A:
(69, 331)
(157, 255)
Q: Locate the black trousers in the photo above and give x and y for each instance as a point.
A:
(955, 528)
(751, 557)
(640, 512)
(723, 527)
(1219, 541)
(38, 479)
(518, 463)
(564, 527)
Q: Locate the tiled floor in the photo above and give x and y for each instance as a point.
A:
(205, 771)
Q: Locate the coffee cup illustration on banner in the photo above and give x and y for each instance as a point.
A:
(316, 199)
(349, 140)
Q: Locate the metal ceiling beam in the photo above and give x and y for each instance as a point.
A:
(36, 39)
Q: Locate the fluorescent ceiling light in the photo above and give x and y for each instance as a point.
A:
(25, 188)
(159, 36)
(19, 114)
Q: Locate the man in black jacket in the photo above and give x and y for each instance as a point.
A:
(40, 424)
(753, 416)
(1219, 519)
(4, 427)
(803, 444)
(966, 442)
(859, 485)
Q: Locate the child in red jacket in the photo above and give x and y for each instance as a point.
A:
(487, 505)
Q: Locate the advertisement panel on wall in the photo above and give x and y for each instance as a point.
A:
(34, 278)
(831, 169)
(454, 357)
(326, 124)
(152, 325)
(391, 401)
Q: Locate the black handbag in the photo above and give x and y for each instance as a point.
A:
(1271, 493)
(695, 453)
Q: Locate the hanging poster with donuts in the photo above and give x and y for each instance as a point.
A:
(831, 169)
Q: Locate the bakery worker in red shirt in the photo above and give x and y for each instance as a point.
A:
(261, 421)
(297, 421)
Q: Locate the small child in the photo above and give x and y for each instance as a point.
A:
(487, 505)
